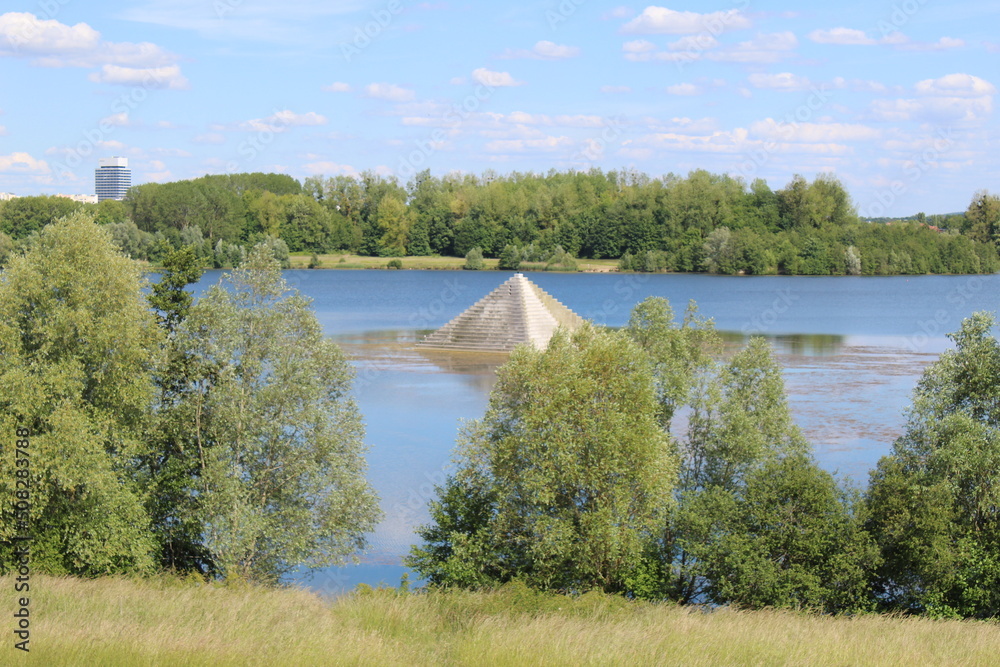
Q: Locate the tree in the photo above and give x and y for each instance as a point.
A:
(983, 217)
(78, 349)
(278, 442)
(565, 480)
(756, 523)
(510, 258)
(473, 260)
(935, 501)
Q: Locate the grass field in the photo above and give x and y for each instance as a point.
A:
(345, 261)
(167, 621)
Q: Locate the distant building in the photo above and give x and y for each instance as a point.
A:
(85, 199)
(6, 196)
(113, 178)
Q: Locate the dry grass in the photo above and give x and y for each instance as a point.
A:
(346, 261)
(119, 621)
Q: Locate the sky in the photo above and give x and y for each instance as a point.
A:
(894, 97)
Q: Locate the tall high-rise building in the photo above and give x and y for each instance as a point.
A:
(112, 179)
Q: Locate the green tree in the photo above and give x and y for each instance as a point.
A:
(756, 523)
(78, 350)
(279, 480)
(474, 260)
(510, 258)
(935, 501)
(565, 480)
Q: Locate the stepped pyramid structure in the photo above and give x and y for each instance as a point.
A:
(518, 311)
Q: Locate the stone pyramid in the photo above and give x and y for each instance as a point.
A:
(518, 311)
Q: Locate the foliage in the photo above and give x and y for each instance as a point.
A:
(697, 222)
(78, 349)
(276, 440)
(566, 478)
(510, 259)
(758, 523)
(935, 501)
(474, 260)
(22, 216)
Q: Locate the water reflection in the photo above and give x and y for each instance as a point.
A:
(808, 345)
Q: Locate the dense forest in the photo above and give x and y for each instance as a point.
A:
(702, 222)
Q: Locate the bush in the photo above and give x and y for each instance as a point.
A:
(474, 260)
(394, 264)
(510, 259)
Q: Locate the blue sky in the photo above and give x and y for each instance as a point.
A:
(895, 97)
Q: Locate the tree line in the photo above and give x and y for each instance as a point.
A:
(701, 222)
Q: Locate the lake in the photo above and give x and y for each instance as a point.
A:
(853, 349)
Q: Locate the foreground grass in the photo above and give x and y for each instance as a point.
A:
(347, 261)
(118, 621)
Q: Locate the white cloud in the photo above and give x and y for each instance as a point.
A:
(957, 85)
(492, 79)
(694, 43)
(942, 44)
(389, 92)
(327, 167)
(548, 144)
(686, 89)
(280, 121)
(338, 87)
(22, 163)
(50, 43)
(617, 13)
(764, 48)
(210, 138)
(781, 81)
(544, 50)
(953, 98)
(813, 133)
(286, 22)
(638, 46)
(168, 77)
(842, 36)
(117, 120)
(660, 20)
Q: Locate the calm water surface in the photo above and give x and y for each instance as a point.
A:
(852, 349)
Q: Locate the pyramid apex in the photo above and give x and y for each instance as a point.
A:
(505, 318)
